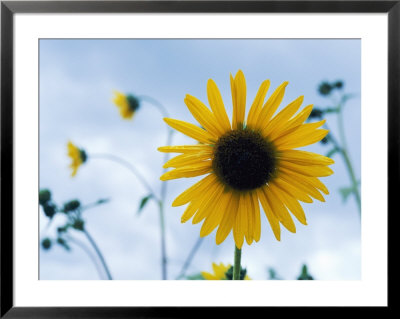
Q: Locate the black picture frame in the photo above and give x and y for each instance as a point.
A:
(9, 8)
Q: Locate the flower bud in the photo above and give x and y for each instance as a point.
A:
(78, 224)
(325, 88)
(46, 243)
(44, 196)
(71, 205)
(49, 210)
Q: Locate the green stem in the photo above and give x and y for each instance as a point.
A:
(236, 265)
(190, 257)
(129, 166)
(88, 252)
(163, 243)
(160, 107)
(346, 158)
(353, 178)
(96, 248)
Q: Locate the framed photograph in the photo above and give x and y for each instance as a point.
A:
(152, 151)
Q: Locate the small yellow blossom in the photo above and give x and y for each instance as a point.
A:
(220, 272)
(78, 157)
(127, 104)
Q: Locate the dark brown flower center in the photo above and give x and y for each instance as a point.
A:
(244, 159)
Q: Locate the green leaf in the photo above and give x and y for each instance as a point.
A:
(345, 192)
(143, 203)
(331, 110)
(102, 201)
(195, 277)
(305, 274)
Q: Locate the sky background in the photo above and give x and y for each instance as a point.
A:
(77, 79)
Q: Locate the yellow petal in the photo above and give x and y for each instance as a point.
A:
(283, 116)
(292, 191)
(273, 221)
(215, 217)
(187, 159)
(190, 210)
(209, 203)
(186, 149)
(271, 106)
(306, 158)
(249, 232)
(208, 276)
(291, 203)
(188, 171)
(301, 182)
(292, 123)
(238, 88)
(256, 107)
(217, 105)
(279, 209)
(198, 203)
(257, 221)
(203, 115)
(298, 132)
(194, 191)
(240, 224)
(227, 220)
(191, 130)
(308, 170)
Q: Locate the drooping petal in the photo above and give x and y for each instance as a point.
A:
(292, 191)
(240, 225)
(301, 185)
(249, 232)
(228, 219)
(301, 181)
(273, 221)
(279, 209)
(215, 217)
(209, 204)
(257, 221)
(292, 204)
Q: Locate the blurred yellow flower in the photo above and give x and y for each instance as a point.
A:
(127, 104)
(247, 163)
(221, 272)
(78, 157)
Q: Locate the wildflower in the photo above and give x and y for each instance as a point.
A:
(127, 104)
(247, 163)
(223, 272)
(78, 157)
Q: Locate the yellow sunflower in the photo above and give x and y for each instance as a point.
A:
(222, 272)
(247, 163)
(78, 157)
(127, 104)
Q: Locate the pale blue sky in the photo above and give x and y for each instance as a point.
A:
(77, 78)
